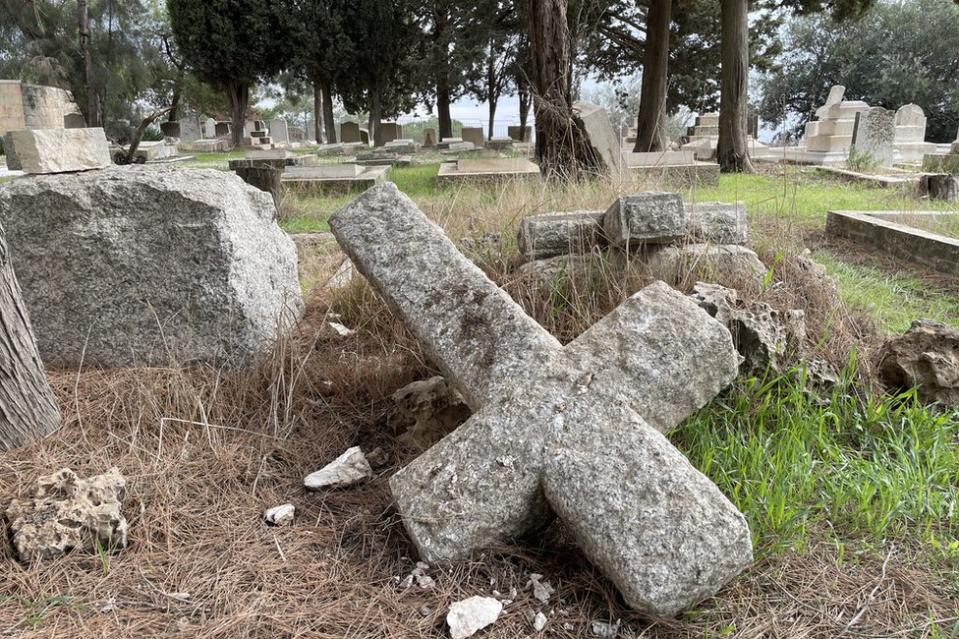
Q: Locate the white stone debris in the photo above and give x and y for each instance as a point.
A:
(539, 622)
(281, 515)
(605, 629)
(419, 576)
(347, 469)
(341, 330)
(468, 616)
(542, 590)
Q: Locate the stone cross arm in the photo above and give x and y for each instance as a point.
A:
(572, 431)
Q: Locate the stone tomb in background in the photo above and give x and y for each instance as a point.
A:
(487, 170)
(473, 134)
(333, 178)
(387, 132)
(676, 168)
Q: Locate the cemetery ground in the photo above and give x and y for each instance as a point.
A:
(851, 495)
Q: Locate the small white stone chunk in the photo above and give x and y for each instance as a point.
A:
(419, 576)
(467, 617)
(346, 470)
(542, 590)
(340, 329)
(279, 515)
(605, 630)
(539, 622)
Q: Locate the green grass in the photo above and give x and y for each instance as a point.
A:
(870, 469)
(894, 300)
(806, 197)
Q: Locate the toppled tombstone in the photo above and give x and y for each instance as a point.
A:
(556, 430)
(56, 150)
(764, 336)
(68, 513)
(349, 468)
(281, 515)
(144, 265)
(925, 357)
(734, 265)
(718, 223)
(550, 234)
(645, 218)
(467, 617)
(593, 122)
(426, 410)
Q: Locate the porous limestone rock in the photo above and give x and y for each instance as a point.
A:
(645, 218)
(764, 336)
(56, 150)
(550, 234)
(718, 223)
(556, 272)
(726, 264)
(426, 410)
(68, 513)
(347, 469)
(467, 617)
(594, 123)
(148, 265)
(925, 357)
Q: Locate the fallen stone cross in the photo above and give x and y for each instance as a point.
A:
(574, 430)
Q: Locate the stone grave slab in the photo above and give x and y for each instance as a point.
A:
(646, 218)
(556, 429)
(487, 170)
(473, 134)
(56, 150)
(349, 132)
(519, 133)
(387, 132)
(429, 138)
(875, 134)
(595, 124)
(279, 131)
(150, 266)
(333, 177)
(550, 234)
(209, 128)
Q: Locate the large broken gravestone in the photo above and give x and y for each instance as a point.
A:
(575, 430)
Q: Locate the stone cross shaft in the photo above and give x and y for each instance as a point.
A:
(574, 430)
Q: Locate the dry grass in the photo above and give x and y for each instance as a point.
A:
(205, 451)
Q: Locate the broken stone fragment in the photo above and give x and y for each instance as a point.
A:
(763, 336)
(467, 617)
(551, 234)
(925, 357)
(347, 469)
(279, 515)
(542, 590)
(718, 223)
(731, 265)
(539, 622)
(340, 330)
(68, 513)
(645, 218)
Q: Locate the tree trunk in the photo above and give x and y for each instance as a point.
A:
(174, 114)
(317, 112)
(651, 122)
(441, 65)
(733, 152)
(376, 116)
(443, 108)
(328, 120)
(83, 18)
(525, 100)
(239, 94)
(28, 408)
(560, 145)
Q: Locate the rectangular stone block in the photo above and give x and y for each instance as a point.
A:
(718, 222)
(473, 134)
(57, 150)
(654, 218)
(594, 122)
(550, 234)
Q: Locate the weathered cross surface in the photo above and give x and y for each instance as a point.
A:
(574, 430)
